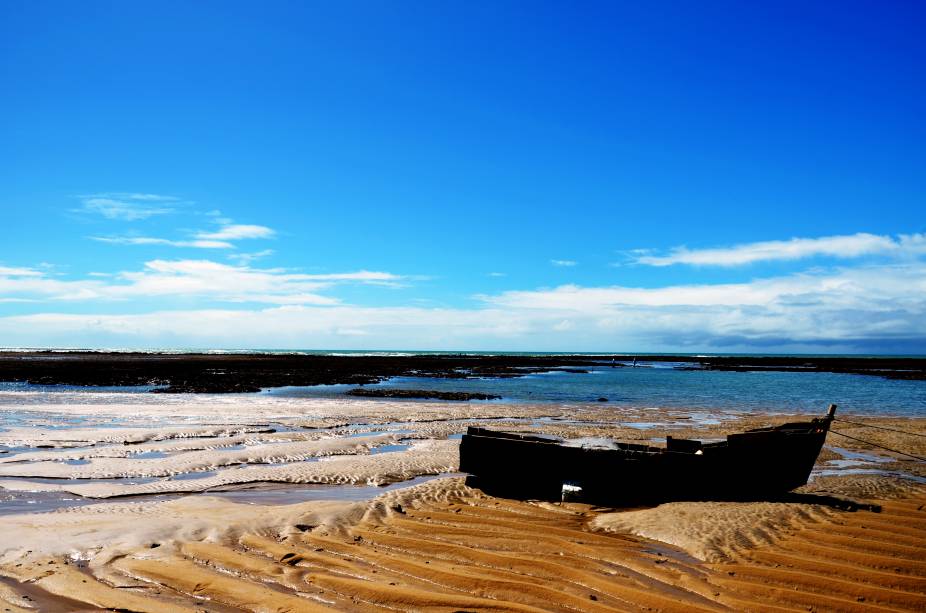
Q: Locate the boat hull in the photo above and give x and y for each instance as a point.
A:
(756, 464)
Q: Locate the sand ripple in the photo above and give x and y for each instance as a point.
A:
(35, 437)
(206, 460)
(445, 547)
(440, 546)
(713, 531)
(424, 458)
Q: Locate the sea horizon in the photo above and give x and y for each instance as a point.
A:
(438, 352)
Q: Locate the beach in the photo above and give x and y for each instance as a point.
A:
(462, 307)
(215, 504)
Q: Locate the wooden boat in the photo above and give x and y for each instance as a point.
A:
(755, 464)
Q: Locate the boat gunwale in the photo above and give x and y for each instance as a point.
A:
(815, 426)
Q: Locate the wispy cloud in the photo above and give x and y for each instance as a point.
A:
(6, 271)
(144, 197)
(237, 232)
(844, 246)
(498, 274)
(147, 240)
(245, 259)
(201, 279)
(563, 263)
(126, 206)
(203, 239)
(136, 206)
(366, 276)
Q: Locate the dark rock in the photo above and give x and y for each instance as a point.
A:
(241, 373)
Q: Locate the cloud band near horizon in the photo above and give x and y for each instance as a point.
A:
(843, 310)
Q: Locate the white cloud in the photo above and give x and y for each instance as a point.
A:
(237, 232)
(563, 263)
(351, 332)
(367, 276)
(126, 206)
(143, 197)
(6, 271)
(219, 239)
(133, 206)
(863, 308)
(201, 279)
(846, 246)
(146, 240)
(245, 259)
(876, 302)
(282, 326)
(868, 288)
(498, 274)
(218, 282)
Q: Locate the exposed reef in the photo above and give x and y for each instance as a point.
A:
(238, 373)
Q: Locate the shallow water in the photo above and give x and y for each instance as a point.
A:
(667, 387)
(707, 397)
(859, 463)
(841, 472)
(275, 494)
(625, 387)
(200, 474)
(389, 448)
(13, 502)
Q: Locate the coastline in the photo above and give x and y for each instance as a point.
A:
(243, 372)
(208, 531)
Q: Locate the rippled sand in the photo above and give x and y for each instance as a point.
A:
(438, 546)
(445, 547)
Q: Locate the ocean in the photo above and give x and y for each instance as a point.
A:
(656, 385)
(665, 385)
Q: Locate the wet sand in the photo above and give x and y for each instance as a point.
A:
(195, 507)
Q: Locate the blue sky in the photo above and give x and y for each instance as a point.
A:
(720, 176)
